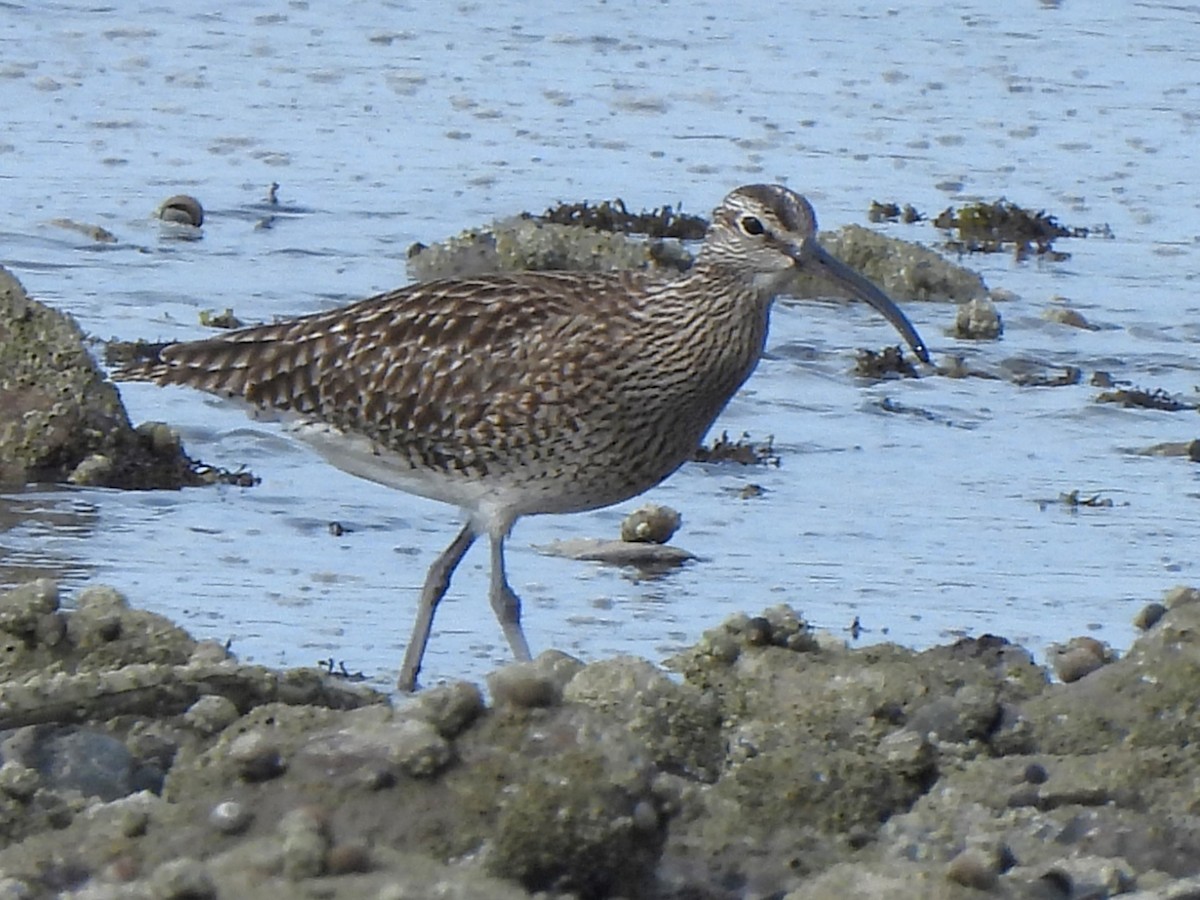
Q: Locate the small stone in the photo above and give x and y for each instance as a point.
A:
(450, 708)
(23, 607)
(1064, 315)
(211, 713)
(207, 653)
(305, 836)
(121, 869)
(94, 470)
(418, 749)
(1180, 595)
(523, 685)
(162, 437)
(132, 821)
(182, 879)
(906, 749)
(181, 209)
(18, 781)
(1148, 616)
(101, 598)
(376, 778)
(720, 645)
(1057, 883)
(645, 816)
(257, 757)
(1071, 665)
(974, 868)
(230, 817)
(1035, 773)
(348, 859)
(758, 632)
(978, 320)
(1079, 657)
(650, 524)
(51, 629)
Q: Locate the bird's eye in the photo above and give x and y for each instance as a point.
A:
(751, 225)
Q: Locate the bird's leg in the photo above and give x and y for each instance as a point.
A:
(505, 602)
(436, 583)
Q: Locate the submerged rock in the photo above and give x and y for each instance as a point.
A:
(903, 269)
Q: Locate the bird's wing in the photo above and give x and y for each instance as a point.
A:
(432, 359)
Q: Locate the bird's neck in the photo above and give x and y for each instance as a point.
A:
(717, 321)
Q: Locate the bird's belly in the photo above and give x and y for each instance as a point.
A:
(546, 482)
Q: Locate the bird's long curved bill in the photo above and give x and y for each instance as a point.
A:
(818, 260)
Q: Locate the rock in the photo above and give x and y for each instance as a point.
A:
(536, 683)
(1079, 657)
(416, 748)
(617, 553)
(257, 756)
(903, 269)
(305, 841)
(978, 320)
(61, 421)
(775, 762)
(650, 524)
(230, 817)
(211, 714)
(181, 209)
(183, 879)
(449, 708)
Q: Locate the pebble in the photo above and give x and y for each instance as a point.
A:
(417, 749)
(25, 605)
(348, 859)
(1180, 595)
(257, 757)
(523, 685)
(1148, 616)
(230, 817)
(182, 879)
(1035, 773)
(450, 708)
(211, 713)
(181, 209)
(978, 867)
(650, 524)
(978, 320)
(305, 836)
(1064, 315)
(1079, 657)
(645, 816)
(18, 781)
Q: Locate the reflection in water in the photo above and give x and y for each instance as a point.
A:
(44, 533)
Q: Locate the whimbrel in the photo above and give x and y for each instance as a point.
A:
(513, 395)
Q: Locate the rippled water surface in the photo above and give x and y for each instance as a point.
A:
(386, 124)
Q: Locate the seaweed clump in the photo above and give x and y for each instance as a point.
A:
(744, 451)
(614, 216)
(996, 227)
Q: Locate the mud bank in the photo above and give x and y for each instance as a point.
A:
(773, 762)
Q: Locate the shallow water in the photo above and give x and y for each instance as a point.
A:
(389, 124)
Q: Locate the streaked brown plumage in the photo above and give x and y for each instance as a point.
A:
(511, 395)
